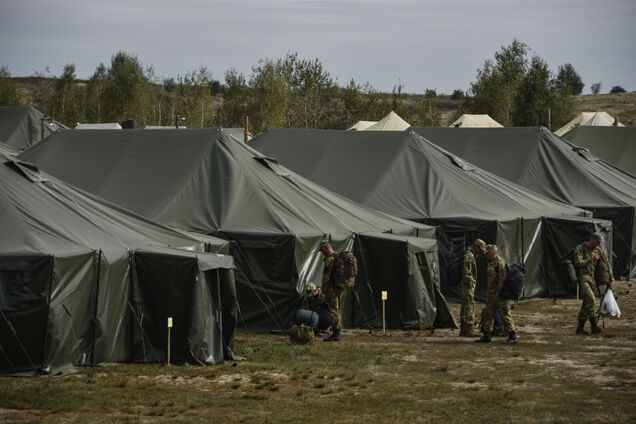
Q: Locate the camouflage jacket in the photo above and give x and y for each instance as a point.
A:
(586, 266)
(327, 272)
(469, 268)
(496, 272)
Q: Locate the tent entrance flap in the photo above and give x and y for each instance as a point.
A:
(25, 284)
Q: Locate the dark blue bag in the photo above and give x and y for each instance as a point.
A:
(515, 278)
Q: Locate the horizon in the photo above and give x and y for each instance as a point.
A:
(597, 38)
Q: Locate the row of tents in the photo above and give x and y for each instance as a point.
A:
(232, 230)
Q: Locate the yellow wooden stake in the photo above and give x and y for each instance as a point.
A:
(385, 297)
(169, 331)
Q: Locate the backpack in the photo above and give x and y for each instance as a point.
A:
(345, 271)
(301, 334)
(515, 277)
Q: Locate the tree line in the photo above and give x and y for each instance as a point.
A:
(514, 88)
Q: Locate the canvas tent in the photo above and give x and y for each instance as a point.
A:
(361, 125)
(100, 126)
(85, 282)
(615, 145)
(391, 122)
(588, 119)
(475, 121)
(5, 149)
(403, 174)
(540, 161)
(207, 182)
(21, 127)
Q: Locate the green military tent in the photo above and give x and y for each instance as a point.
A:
(207, 182)
(540, 161)
(83, 281)
(615, 145)
(21, 127)
(403, 174)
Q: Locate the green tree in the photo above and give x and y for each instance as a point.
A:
(270, 95)
(353, 104)
(94, 93)
(457, 95)
(43, 94)
(568, 80)
(617, 89)
(495, 90)
(595, 87)
(535, 95)
(236, 100)
(68, 97)
(11, 93)
(193, 98)
(125, 94)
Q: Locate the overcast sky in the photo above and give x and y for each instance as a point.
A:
(425, 44)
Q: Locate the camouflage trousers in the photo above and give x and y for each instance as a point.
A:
(586, 292)
(333, 299)
(467, 297)
(497, 303)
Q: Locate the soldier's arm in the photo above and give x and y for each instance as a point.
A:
(579, 258)
(502, 272)
(467, 269)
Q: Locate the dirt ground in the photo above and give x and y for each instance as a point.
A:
(550, 376)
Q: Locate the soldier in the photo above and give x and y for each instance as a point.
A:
(467, 289)
(333, 295)
(496, 272)
(587, 257)
(316, 302)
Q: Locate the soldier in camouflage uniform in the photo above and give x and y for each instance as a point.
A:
(496, 272)
(590, 261)
(467, 289)
(333, 296)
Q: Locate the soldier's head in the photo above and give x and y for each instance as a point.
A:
(595, 240)
(325, 247)
(311, 289)
(492, 253)
(479, 247)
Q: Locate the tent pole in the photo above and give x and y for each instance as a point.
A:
(96, 305)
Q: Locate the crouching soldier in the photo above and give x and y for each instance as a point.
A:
(590, 261)
(496, 272)
(317, 303)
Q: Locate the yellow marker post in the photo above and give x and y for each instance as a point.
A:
(385, 297)
(169, 331)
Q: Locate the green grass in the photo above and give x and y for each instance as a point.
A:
(551, 376)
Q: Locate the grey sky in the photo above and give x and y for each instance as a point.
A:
(425, 44)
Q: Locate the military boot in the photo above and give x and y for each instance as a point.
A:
(595, 328)
(471, 332)
(334, 337)
(512, 338)
(580, 330)
(486, 338)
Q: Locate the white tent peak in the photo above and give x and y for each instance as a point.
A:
(475, 121)
(361, 125)
(588, 119)
(391, 122)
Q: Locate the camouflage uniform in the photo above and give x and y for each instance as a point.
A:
(333, 296)
(467, 289)
(587, 271)
(496, 272)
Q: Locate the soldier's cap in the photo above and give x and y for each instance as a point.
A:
(479, 243)
(491, 248)
(325, 243)
(597, 236)
(311, 287)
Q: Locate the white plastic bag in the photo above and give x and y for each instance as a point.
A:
(609, 308)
